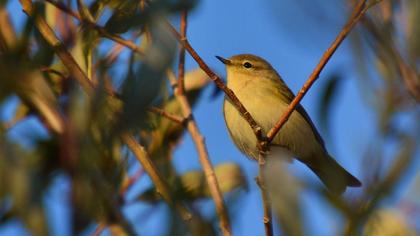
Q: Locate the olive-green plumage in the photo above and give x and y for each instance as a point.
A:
(265, 95)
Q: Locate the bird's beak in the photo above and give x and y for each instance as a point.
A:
(223, 60)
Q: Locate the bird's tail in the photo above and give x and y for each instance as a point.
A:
(334, 176)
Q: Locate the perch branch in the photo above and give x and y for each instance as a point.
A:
(357, 13)
(218, 81)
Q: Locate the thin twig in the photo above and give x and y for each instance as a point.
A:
(99, 229)
(123, 191)
(198, 139)
(267, 220)
(203, 157)
(59, 48)
(76, 72)
(358, 12)
(167, 115)
(162, 186)
(114, 37)
(181, 62)
(130, 182)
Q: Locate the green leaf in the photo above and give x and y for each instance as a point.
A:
(388, 222)
(413, 29)
(328, 95)
(124, 17)
(145, 80)
(194, 184)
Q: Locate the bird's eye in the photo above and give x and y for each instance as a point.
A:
(247, 65)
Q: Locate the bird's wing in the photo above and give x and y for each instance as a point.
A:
(288, 96)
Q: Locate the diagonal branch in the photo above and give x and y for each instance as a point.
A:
(114, 37)
(203, 157)
(357, 13)
(169, 116)
(218, 81)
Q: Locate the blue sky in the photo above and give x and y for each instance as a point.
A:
(292, 37)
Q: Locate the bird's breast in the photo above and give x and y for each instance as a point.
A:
(266, 107)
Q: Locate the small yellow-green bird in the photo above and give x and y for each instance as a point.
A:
(265, 95)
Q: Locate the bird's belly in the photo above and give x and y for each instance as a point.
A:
(295, 136)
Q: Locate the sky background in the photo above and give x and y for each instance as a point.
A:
(292, 36)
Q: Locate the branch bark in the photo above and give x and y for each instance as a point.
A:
(181, 62)
(357, 13)
(218, 81)
(267, 220)
(203, 157)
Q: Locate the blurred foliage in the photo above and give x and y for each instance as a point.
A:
(83, 130)
(386, 222)
(328, 96)
(194, 186)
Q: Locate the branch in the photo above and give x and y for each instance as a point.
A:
(161, 185)
(203, 157)
(358, 12)
(59, 48)
(76, 72)
(114, 37)
(218, 81)
(167, 115)
(267, 220)
(181, 62)
(193, 129)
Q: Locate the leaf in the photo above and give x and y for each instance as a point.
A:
(413, 29)
(388, 222)
(145, 80)
(127, 14)
(7, 32)
(194, 185)
(124, 17)
(165, 134)
(36, 93)
(31, 87)
(328, 95)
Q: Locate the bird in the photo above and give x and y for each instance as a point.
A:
(266, 96)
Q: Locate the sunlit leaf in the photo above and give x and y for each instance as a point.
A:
(194, 185)
(413, 29)
(386, 222)
(7, 32)
(124, 17)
